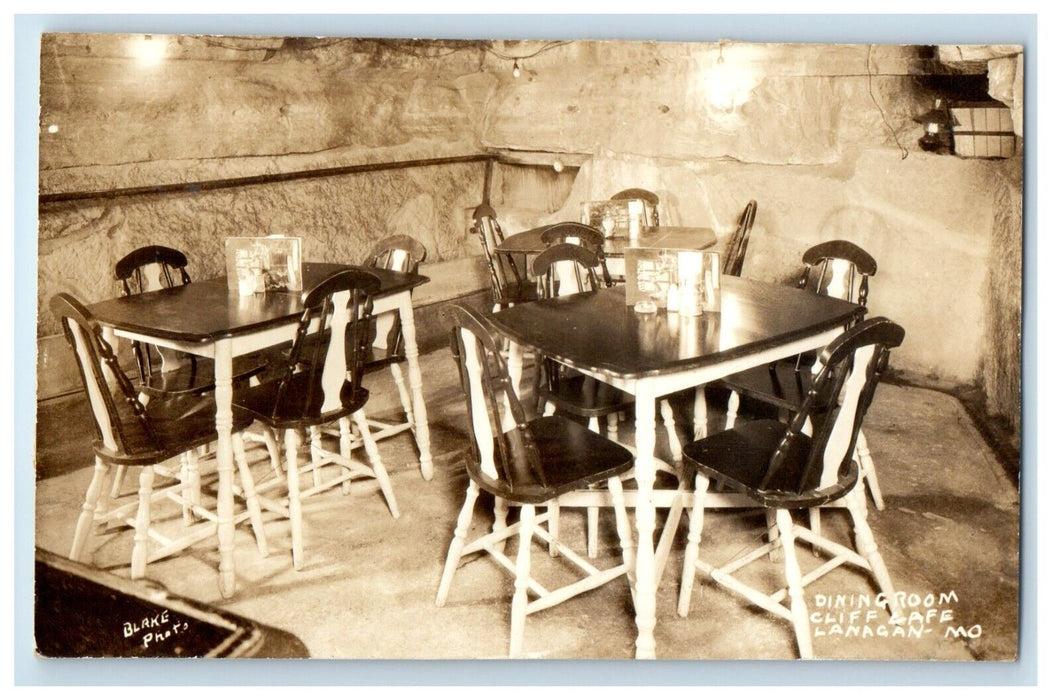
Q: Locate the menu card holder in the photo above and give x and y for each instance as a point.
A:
(263, 264)
(675, 279)
(615, 217)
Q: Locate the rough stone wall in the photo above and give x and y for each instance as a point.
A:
(1002, 358)
(821, 135)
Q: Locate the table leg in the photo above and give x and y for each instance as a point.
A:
(225, 499)
(644, 590)
(415, 380)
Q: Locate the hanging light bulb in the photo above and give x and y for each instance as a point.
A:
(515, 72)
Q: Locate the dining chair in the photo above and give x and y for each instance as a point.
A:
(735, 251)
(650, 200)
(583, 235)
(148, 437)
(167, 372)
(508, 284)
(164, 371)
(321, 384)
(838, 269)
(561, 269)
(385, 347)
(545, 461)
(784, 468)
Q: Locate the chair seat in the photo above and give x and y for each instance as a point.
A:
(781, 384)
(571, 456)
(741, 456)
(198, 376)
(301, 405)
(178, 424)
(524, 290)
(586, 396)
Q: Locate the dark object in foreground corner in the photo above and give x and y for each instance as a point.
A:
(81, 611)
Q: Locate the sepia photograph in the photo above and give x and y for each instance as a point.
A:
(357, 347)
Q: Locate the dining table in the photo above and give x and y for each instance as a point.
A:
(207, 318)
(531, 241)
(654, 354)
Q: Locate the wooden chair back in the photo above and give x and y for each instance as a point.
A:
(503, 453)
(122, 427)
(399, 253)
(735, 252)
(565, 268)
(329, 346)
(583, 235)
(148, 269)
(834, 407)
(503, 272)
(833, 267)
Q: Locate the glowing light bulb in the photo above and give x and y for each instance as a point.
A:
(149, 50)
(515, 72)
(53, 128)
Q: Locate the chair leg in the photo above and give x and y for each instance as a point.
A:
(377, 466)
(315, 445)
(294, 501)
(799, 611)
(814, 527)
(191, 477)
(701, 413)
(773, 533)
(119, 479)
(88, 508)
(250, 493)
(675, 447)
(867, 547)
(624, 527)
(273, 451)
(500, 510)
(733, 410)
(345, 448)
(459, 537)
(553, 528)
(520, 600)
(143, 523)
(691, 553)
(402, 393)
(867, 468)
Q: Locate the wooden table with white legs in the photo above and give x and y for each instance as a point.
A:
(207, 319)
(656, 354)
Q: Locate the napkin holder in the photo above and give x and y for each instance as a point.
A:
(263, 264)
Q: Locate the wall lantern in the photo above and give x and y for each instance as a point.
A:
(937, 128)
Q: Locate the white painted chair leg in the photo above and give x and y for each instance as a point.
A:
(691, 553)
(675, 448)
(345, 448)
(867, 547)
(624, 527)
(733, 411)
(294, 501)
(315, 445)
(459, 537)
(142, 523)
(520, 601)
(612, 427)
(867, 467)
(119, 479)
(814, 527)
(253, 506)
(553, 528)
(88, 509)
(799, 610)
(402, 393)
(701, 413)
(377, 466)
(773, 533)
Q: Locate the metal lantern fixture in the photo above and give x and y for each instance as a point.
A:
(937, 128)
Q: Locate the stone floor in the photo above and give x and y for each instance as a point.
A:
(949, 534)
